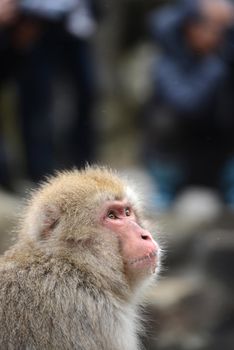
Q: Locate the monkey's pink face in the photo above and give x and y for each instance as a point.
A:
(139, 250)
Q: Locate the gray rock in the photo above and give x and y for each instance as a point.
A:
(216, 255)
(9, 210)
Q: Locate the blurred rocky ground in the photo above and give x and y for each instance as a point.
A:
(192, 306)
(10, 207)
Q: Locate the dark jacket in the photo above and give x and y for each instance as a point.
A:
(186, 82)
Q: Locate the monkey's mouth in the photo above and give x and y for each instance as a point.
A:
(147, 260)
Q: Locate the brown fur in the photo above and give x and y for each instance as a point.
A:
(63, 284)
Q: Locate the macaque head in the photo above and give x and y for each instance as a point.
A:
(93, 210)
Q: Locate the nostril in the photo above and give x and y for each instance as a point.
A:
(145, 237)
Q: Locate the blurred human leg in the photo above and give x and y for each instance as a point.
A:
(82, 136)
(35, 111)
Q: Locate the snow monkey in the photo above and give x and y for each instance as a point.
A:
(74, 277)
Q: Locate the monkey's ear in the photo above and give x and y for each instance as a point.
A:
(51, 220)
(43, 221)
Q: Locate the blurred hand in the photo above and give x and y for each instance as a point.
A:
(8, 11)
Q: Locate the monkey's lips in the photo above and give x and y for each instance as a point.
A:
(149, 260)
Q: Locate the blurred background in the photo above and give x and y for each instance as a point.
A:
(146, 87)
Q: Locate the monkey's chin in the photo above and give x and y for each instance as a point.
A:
(147, 263)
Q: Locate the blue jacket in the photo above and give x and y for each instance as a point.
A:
(185, 81)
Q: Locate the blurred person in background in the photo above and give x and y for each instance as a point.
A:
(22, 61)
(8, 14)
(36, 39)
(190, 122)
(69, 47)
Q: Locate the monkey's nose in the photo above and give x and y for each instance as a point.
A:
(146, 236)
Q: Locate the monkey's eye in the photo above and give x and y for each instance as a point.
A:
(127, 211)
(112, 215)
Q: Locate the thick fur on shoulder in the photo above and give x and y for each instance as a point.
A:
(55, 295)
(55, 306)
